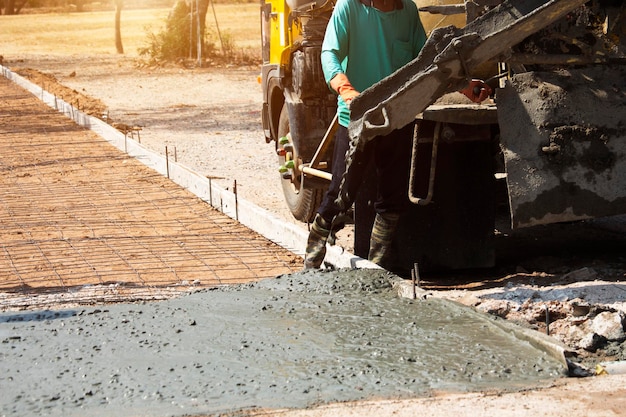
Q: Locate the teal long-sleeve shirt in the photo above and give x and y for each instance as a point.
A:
(368, 45)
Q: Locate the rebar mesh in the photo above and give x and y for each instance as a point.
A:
(77, 213)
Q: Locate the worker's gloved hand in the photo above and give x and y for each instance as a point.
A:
(341, 84)
(477, 91)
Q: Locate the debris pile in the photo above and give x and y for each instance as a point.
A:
(588, 316)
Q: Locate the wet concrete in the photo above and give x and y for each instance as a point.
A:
(294, 341)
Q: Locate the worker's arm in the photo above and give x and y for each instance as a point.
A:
(341, 84)
(335, 51)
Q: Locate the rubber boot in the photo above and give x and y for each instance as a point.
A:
(316, 243)
(385, 225)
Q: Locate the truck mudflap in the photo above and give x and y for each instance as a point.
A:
(563, 136)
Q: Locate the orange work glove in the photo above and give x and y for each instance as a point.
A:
(342, 86)
(477, 91)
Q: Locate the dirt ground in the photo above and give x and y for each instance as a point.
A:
(210, 119)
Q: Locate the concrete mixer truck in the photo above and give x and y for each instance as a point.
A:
(548, 147)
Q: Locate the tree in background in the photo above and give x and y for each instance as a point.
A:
(10, 7)
(118, 31)
(184, 35)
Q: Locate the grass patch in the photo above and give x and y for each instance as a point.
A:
(92, 33)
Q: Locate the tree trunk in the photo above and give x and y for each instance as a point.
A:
(9, 7)
(203, 6)
(118, 32)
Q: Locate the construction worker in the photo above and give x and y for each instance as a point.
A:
(366, 41)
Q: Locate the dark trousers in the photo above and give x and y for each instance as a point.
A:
(391, 157)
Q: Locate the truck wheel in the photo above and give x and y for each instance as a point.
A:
(302, 202)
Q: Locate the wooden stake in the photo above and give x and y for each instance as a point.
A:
(236, 201)
(167, 162)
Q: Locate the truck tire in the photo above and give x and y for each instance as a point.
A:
(302, 202)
